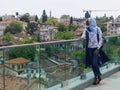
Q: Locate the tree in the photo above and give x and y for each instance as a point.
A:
(71, 20)
(44, 17)
(118, 53)
(25, 52)
(79, 55)
(7, 37)
(14, 27)
(53, 21)
(62, 27)
(25, 18)
(48, 50)
(36, 18)
(17, 14)
(113, 41)
(63, 35)
(87, 14)
(32, 27)
(0, 18)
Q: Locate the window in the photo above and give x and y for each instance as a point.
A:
(13, 67)
(18, 66)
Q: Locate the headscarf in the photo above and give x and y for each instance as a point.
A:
(92, 25)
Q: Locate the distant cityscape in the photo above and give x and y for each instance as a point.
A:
(45, 27)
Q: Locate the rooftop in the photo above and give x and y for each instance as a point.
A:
(17, 61)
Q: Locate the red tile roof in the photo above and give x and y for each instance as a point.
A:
(17, 61)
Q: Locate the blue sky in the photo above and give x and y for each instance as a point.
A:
(59, 7)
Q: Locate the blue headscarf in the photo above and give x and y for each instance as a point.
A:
(92, 25)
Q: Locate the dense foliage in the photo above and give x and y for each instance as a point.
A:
(25, 52)
(14, 27)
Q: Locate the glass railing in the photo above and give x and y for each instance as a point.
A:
(112, 48)
(40, 66)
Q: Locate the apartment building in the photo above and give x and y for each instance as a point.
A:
(113, 27)
(46, 32)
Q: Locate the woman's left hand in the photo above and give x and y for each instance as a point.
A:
(96, 52)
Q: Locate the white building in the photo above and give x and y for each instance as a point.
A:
(113, 27)
(8, 17)
(46, 32)
(65, 19)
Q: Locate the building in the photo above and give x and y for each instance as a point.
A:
(8, 17)
(65, 19)
(79, 21)
(113, 27)
(16, 65)
(45, 32)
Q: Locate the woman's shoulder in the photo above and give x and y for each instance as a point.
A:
(99, 30)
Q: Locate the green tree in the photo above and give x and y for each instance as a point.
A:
(87, 14)
(79, 55)
(31, 28)
(14, 27)
(62, 27)
(71, 24)
(71, 20)
(36, 18)
(64, 35)
(44, 17)
(113, 41)
(118, 53)
(25, 18)
(0, 18)
(39, 21)
(48, 50)
(25, 52)
(7, 37)
(53, 21)
(17, 14)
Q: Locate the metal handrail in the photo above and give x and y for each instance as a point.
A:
(39, 43)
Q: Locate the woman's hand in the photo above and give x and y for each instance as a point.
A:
(96, 52)
(81, 38)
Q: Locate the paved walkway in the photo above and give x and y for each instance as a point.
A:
(110, 83)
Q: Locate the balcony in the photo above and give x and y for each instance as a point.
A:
(52, 65)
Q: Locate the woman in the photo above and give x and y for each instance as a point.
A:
(93, 37)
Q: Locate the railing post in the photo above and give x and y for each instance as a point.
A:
(64, 83)
(3, 71)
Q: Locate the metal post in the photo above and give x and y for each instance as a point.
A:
(38, 62)
(3, 71)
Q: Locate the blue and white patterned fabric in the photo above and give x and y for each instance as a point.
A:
(94, 30)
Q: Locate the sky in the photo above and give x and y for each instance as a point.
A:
(73, 8)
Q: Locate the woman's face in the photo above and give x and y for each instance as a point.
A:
(87, 22)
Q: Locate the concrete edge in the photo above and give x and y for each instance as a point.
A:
(89, 82)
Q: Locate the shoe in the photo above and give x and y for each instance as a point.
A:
(99, 77)
(96, 81)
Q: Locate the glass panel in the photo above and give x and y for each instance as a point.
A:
(41, 66)
(17, 68)
(112, 48)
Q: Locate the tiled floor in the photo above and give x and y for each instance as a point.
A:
(110, 83)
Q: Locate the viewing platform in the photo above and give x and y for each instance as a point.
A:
(109, 83)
